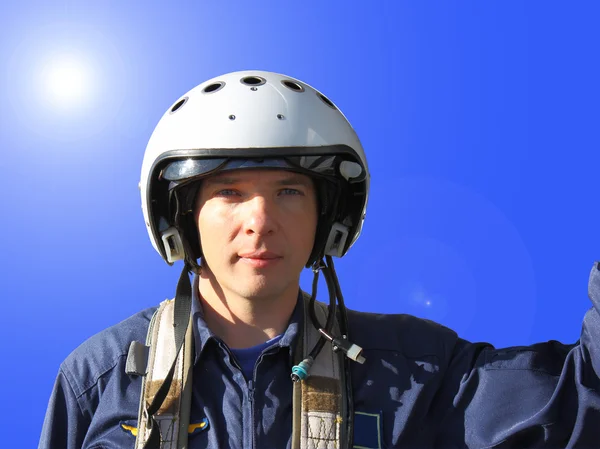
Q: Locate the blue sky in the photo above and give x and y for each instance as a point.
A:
(479, 119)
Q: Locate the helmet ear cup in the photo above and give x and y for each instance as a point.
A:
(329, 195)
(185, 219)
(192, 236)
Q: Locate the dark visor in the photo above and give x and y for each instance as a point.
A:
(191, 168)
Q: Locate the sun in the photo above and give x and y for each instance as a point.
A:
(66, 81)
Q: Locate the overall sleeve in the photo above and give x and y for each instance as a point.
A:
(543, 395)
(65, 425)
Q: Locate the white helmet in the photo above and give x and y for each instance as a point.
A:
(252, 119)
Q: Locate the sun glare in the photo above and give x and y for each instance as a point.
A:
(66, 81)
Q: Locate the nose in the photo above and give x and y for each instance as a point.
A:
(259, 217)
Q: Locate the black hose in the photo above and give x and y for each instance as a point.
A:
(347, 376)
(332, 309)
(340, 297)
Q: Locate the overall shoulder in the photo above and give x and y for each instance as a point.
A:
(103, 351)
(403, 333)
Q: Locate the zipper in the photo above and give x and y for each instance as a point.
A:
(251, 401)
(251, 391)
(251, 382)
(249, 385)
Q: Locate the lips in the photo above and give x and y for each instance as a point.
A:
(262, 255)
(259, 260)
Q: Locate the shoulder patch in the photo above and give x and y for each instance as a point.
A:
(367, 430)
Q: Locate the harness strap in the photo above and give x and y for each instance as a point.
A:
(173, 415)
(318, 418)
(318, 400)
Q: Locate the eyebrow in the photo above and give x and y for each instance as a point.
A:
(230, 180)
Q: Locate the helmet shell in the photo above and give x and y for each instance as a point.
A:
(247, 113)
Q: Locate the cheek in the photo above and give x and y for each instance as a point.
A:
(215, 229)
(303, 222)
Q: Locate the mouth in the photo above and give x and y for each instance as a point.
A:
(259, 259)
(262, 255)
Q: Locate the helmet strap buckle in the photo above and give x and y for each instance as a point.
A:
(173, 245)
(336, 242)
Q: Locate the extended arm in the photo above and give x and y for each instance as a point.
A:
(543, 395)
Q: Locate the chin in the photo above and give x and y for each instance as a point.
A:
(260, 289)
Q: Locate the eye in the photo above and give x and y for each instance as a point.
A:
(226, 192)
(292, 192)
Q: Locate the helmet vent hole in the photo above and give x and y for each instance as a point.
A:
(211, 88)
(293, 86)
(253, 81)
(326, 100)
(178, 105)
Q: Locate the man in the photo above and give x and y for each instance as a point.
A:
(248, 178)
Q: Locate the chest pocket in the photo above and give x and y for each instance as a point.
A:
(367, 430)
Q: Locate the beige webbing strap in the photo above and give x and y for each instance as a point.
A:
(318, 400)
(173, 415)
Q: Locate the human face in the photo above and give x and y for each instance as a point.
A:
(257, 229)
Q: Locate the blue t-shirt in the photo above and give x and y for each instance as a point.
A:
(247, 357)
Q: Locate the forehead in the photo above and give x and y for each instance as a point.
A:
(256, 176)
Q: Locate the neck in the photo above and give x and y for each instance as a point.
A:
(243, 322)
